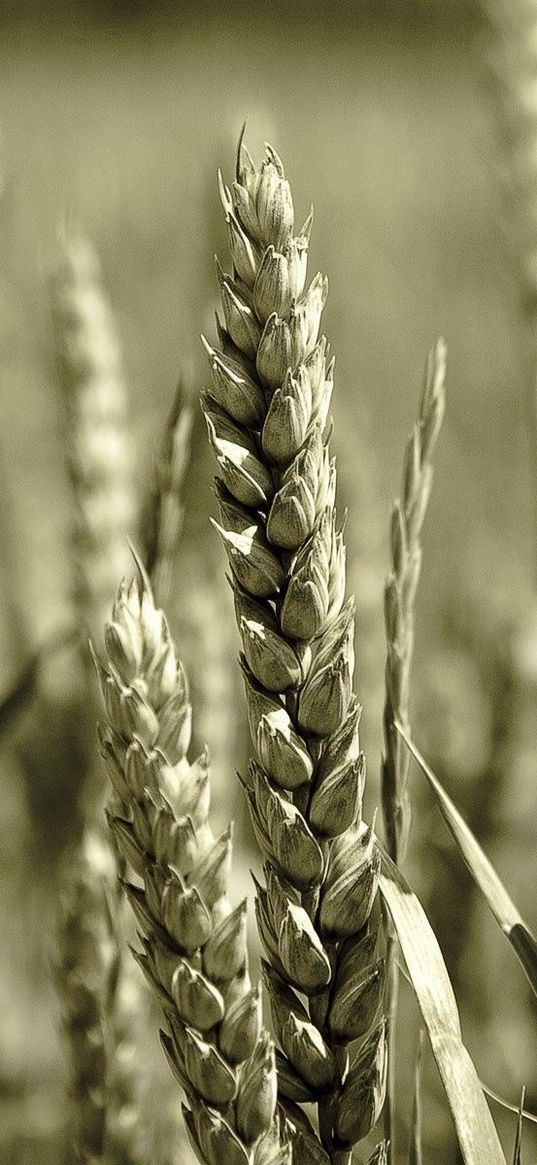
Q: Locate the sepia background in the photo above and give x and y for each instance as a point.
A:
(114, 118)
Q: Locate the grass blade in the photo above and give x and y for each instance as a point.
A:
(477, 1136)
(526, 1114)
(483, 873)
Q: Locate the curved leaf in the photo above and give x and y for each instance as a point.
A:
(483, 873)
(477, 1136)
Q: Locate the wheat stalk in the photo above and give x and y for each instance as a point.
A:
(99, 997)
(162, 518)
(266, 415)
(194, 955)
(408, 515)
(99, 449)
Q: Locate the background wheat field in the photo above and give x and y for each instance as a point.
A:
(115, 117)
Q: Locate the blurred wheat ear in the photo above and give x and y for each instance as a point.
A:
(266, 414)
(194, 942)
(100, 999)
(99, 446)
(99, 990)
(509, 47)
(99, 459)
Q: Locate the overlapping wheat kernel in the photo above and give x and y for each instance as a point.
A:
(194, 942)
(267, 415)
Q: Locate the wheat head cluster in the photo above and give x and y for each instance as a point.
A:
(293, 1063)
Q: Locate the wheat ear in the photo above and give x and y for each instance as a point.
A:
(511, 58)
(99, 999)
(408, 515)
(162, 518)
(266, 415)
(99, 450)
(511, 55)
(194, 955)
(399, 597)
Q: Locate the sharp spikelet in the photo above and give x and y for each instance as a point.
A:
(266, 416)
(100, 997)
(194, 943)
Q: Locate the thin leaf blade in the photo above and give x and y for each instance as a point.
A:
(482, 871)
(517, 1155)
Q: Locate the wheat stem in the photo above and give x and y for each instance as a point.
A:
(266, 415)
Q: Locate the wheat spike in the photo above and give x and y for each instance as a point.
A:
(99, 459)
(266, 416)
(510, 52)
(511, 56)
(162, 518)
(194, 943)
(99, 448)
(99, 995)
(399, 596)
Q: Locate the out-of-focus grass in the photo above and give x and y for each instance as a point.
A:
(121, 128)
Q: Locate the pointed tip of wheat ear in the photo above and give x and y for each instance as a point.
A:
(146, 582)
(240, 144)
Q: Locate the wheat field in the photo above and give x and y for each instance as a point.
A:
(412, 136)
